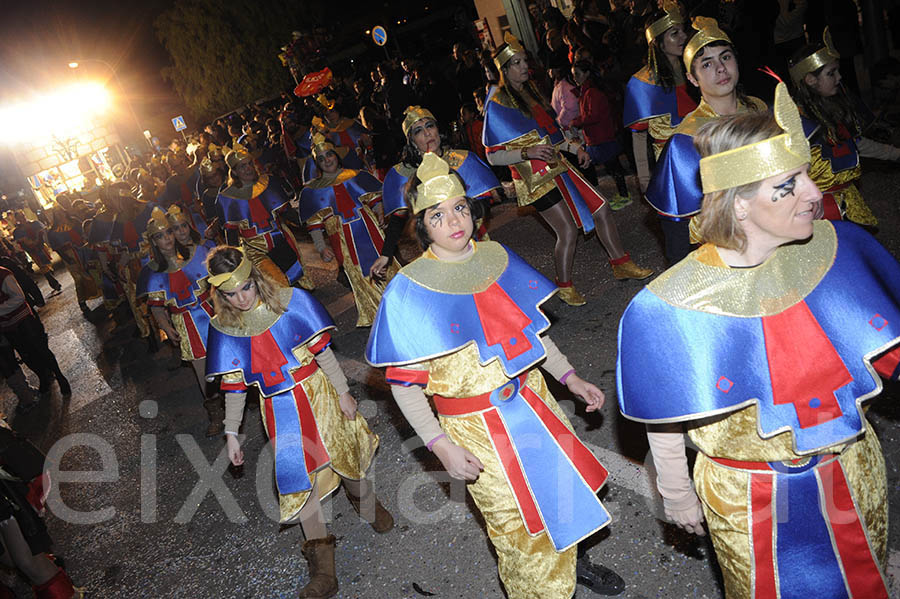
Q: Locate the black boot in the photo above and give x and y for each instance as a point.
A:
(599, 579)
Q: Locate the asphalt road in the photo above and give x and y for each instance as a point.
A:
(144, 506)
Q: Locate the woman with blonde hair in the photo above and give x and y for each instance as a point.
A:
(764, 344)
(277, 339)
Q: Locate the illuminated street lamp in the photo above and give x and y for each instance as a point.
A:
(75, 64)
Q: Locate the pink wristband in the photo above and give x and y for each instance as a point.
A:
(563, 378)
(431, 443)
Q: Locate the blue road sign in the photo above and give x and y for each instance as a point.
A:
(379, 35)
(178, 123)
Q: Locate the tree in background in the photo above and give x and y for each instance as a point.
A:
(225, 54)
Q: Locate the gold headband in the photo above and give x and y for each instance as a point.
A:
(413, 114)
(763, 159)
(229, 281)
(707, 32)
(321, 145)
(510, 48)
(816, 60)
(157, 223)
(237, 154)
(673, 17)
(176, 215)
(437, 183)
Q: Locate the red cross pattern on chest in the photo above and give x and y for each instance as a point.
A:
(180, 286)
(259, 214)
(544, 120)
(502, 321)
(345, 139)
(267, 359)
(804, 367)
(343, 203)
(129, 235)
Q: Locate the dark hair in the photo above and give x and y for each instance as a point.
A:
(520, 102)
(742, 96)
(410, 192)
(657, 62)
(411, 156)
(158, 262)
(831, 113)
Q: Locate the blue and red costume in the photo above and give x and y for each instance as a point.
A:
(802, 352)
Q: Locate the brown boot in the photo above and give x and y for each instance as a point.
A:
(319, 554)
(371, 510)
(216, 413)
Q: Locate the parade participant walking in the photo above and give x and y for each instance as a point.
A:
(674, 191)
(66, 237)
(31, 235)
(763, 344)
(464, 322)
(309, 414)
(174, 284)
(520, 131)
(252, 209)
(117, 234)
(340, 202)
(345, 133)
(656, 97)
(422, 135)
(834, 123)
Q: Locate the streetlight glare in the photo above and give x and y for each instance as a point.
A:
(63, 112)
(73, 65)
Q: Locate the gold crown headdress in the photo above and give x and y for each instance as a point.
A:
(214, 148)
(321, 145)
(206, 166)
(437, 183)
(176, 215)
(816, 60)
(326, 103)
(510, 48)
(672, 17)
(763, 159)
(707, 32)
(157, 223)
(236, 155)
(229, 281)
(413, 114)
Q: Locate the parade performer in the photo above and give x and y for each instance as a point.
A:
(66, 237)
(520, 131)
(420, 129)
(345, 133)
(31, 235)
(90, 253)
(278, 339)
(464, 322)
(834, 123)
(117, 234)
(174, 283)
(674, 190)
(181, 186)
(24, 486)
(252, 209)
(340, 202)
(656, 97)
(764, 343)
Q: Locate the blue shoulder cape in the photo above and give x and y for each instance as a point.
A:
(503, 319)
(674, 189)
(266, 359)
(503, 124)
(807, 367)
(645, 100)
(314, 199)
(259, 209)
(180, 286)
(478, 178)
